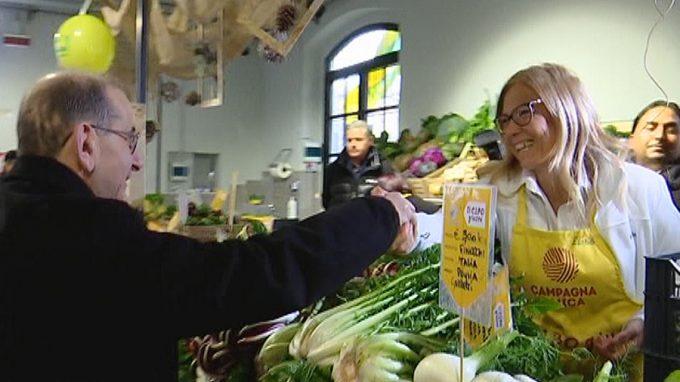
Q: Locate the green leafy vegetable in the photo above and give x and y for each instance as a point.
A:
(673, 377)
(297, 371)
(614, 132)
(603, 375)
(537, 356)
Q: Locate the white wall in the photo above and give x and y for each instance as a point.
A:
(21, 67)
(234, 130)
(455, 52)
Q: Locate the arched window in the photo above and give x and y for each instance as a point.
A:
(363, 81)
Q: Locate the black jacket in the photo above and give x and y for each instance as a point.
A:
(343, 183)
(87, 293)
(672, 176)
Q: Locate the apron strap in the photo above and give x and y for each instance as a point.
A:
(522, 207)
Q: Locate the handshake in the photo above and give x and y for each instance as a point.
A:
(408, 224)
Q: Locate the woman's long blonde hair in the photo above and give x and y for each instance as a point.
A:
(581, 147)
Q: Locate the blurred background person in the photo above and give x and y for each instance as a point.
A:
(360, 167)
(356, 170)
(655, 143)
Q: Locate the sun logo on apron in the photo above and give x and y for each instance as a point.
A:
(560, 265)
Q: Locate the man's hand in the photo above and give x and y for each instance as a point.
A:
(406, 238)
(614, 347)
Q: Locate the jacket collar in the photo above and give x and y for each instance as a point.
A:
(672, 175)
(45, 175)
(371, 162)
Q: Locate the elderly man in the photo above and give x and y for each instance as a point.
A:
(360, 168)
(87, 293)
(655, 142)
(356, 170)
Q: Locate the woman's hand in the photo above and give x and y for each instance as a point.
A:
(614, 347)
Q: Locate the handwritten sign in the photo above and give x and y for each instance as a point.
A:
(467, 253)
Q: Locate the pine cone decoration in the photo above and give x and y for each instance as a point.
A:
(285, 18)
(192, 99)
(269, 54)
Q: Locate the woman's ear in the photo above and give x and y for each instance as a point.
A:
(86, 145)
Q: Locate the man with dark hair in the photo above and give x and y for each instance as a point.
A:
(8, 161)
(655, 142)
(87, 293)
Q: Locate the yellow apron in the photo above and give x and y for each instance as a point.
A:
(578, 269)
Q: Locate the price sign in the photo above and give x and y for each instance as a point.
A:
(467, 254)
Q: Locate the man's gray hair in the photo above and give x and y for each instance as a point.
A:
(52, 108)
(361, 124)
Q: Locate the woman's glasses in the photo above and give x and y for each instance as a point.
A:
(521, 115)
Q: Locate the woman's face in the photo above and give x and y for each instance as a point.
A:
(527, 133)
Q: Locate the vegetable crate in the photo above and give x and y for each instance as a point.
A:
(204, 233)
(425, 187)
(662, 316)
(461, 169)
(657, 368)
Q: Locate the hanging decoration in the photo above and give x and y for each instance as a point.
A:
(196, 39)
(84, 42)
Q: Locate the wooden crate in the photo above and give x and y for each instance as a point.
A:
(204, 233)
(430, 186)
(421, 187)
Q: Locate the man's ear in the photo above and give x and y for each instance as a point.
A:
(86, 145)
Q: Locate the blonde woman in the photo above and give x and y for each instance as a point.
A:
(575, 220)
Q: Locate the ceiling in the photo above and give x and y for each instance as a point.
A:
(67, 7)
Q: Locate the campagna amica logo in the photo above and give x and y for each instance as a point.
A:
(560, 265)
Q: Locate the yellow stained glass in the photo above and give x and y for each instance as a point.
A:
(391, 42)
(352, 100)
(351, 118)
(376, 88)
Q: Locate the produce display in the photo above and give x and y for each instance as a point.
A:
(155, 209)
(439, 141)
(442, 151)
(204, 222)
(386, 325)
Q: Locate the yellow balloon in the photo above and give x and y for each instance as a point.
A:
(85, 42)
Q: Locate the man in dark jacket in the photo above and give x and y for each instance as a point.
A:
(87, 293)
(359, 169)
(655, 142)
(356, 170)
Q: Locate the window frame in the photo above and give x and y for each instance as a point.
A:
(362, 69)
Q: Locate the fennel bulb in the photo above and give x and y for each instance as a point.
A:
(444, 367)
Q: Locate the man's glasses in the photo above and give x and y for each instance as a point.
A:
(132, 137)
(521, 115)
